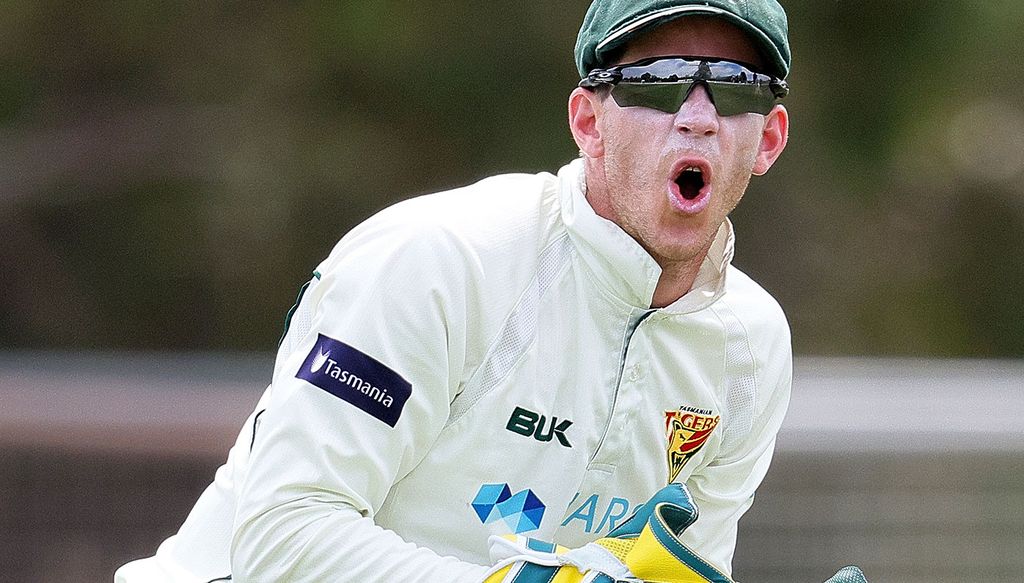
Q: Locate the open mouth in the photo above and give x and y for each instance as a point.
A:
(691, 187)
(690, 181)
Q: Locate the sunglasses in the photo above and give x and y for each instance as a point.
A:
(664, 84)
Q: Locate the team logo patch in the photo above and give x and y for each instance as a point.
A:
(687, 430)
(521, 512)
(356, 378)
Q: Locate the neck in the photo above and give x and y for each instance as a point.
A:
(677, 275)
(676, 279)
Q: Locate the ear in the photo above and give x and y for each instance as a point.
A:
(774, 137)
(584, 108)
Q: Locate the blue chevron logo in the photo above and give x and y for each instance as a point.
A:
(521, 512)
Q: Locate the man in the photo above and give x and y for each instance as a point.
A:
(532, 355)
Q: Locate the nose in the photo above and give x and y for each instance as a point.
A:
(697, 115)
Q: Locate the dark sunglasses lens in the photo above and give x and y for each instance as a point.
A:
(737, 98)
(665, 97)
(729, 98)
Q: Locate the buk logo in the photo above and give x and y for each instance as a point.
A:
(319, 360)
(530, 424)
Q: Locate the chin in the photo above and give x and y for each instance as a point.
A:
(679, 252)
(687, 245)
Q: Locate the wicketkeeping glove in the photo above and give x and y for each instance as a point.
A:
(645, 548)
(848, 575)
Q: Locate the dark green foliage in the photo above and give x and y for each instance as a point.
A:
(170, 173)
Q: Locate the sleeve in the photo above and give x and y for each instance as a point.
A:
(723, 490)
(362, 387)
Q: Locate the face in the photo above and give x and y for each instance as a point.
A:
(641, 161)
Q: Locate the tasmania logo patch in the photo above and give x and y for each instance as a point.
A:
(356, 378)
(687, 430)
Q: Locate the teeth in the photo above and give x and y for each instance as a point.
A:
(692, 169)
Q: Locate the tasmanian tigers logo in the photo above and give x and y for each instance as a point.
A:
(687, 430)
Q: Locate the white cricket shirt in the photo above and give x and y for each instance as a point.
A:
(484, 361)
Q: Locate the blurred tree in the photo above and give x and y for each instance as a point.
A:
(170, 174)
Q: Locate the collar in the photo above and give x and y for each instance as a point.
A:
(621, 265)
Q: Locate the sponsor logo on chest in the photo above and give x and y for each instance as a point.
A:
(597, 514)
(520, 512)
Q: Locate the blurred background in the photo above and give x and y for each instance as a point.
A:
(171, 173)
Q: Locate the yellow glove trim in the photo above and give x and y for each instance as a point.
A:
(652, 562)
(619, 547)
(567, 574)
(499, 576)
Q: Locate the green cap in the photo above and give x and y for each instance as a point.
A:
(609, 24)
